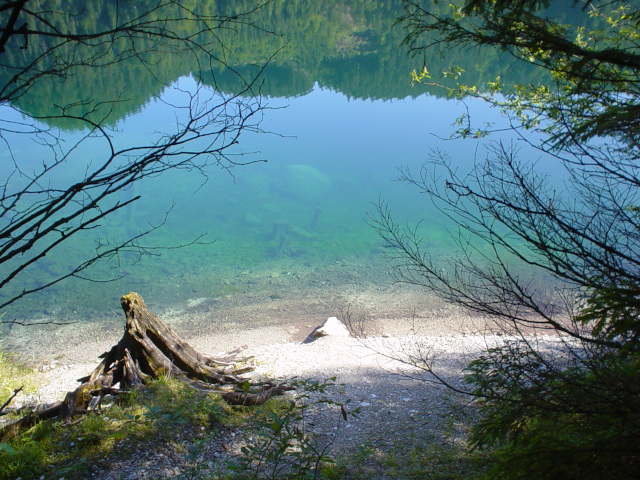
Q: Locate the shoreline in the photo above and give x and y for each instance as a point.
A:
(255, 320)
(69, 352)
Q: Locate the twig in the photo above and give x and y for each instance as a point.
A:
(15, 392)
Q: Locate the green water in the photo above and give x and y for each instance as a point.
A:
(342, 118)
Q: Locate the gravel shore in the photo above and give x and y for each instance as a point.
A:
(374, 374)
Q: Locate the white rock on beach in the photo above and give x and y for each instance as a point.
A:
(332, 327)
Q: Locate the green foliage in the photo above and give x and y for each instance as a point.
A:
(28, 455)
(612, 313)
(590, 53)
(570, 409)
(170, 412)
(433, 462)
(551, 419)
(428, 451)
(352, 466)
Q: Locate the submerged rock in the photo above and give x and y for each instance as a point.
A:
(303, 182)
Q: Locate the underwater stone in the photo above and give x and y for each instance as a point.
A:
(253, 220)
(304, 182)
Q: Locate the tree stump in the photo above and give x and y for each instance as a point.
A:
(149, 349)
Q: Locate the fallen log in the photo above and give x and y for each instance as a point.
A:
(147, 350)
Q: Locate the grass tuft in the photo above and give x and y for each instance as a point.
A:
(14, 373)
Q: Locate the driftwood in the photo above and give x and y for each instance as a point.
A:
(149, 349)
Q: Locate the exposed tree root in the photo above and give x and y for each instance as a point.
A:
(251, 399)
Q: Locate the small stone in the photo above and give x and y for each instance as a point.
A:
(331, 328)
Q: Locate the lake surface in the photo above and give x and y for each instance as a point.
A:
(294, 224)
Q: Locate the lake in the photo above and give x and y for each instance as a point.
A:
(287, 234)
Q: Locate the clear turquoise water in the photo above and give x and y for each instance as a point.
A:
(285, 239)
(329, 159)
(291, 226)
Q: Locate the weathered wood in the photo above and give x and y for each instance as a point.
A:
(149, 349)
(253, 399)
(32, 418)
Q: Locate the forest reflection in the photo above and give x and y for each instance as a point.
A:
(352, 47)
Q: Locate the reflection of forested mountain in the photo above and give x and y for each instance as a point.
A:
(351, 46)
